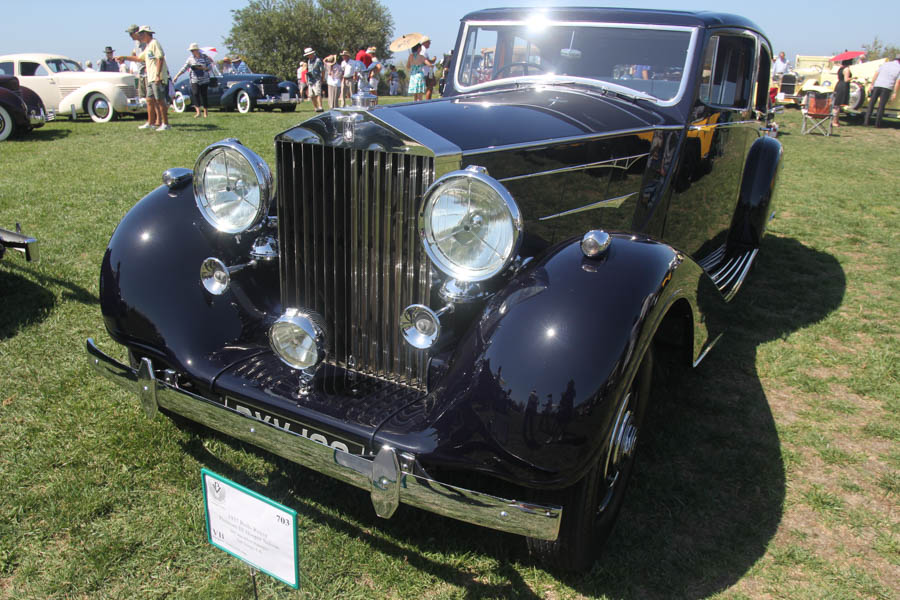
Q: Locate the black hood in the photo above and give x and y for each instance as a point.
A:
(527, 115)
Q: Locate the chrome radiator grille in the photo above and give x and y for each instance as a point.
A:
(350, 250)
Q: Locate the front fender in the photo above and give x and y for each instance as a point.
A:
(756, 200)
(78, 97)
(290, 87)
(229, 97)
(530, 393)
(152, 298)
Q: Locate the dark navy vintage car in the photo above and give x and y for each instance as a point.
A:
(241, 92)
(21, 110)
(457, 304)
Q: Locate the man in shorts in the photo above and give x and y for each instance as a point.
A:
(154, 59)
(141, 74)
(428, 68)
(314, 72)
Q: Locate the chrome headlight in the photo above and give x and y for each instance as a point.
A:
(470, 225)
(232, 186)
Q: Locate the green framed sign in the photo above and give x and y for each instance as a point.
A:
(251, 527)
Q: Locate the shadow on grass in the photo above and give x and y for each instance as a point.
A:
(707, 494)
(72, 291)
(46, 133)
(22, 301)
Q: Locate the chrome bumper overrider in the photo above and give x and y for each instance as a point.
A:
(277, 100)
(16, 240)
(136, 103)
(381, 476)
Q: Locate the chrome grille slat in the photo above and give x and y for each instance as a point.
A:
(350, 251)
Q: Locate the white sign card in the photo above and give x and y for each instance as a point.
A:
(249, 526)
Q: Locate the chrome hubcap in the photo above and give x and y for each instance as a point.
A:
(101, 108)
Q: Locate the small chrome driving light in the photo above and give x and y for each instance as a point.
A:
(216, 276)
(595, 242)
(298, 338)
(421, 326)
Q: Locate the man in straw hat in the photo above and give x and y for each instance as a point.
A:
(199, 66)
(348, 73)
(428, 67)
(314, 72)
(108, 62)
(139, 70)
(154, 59)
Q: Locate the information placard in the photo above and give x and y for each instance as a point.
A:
(249, 526)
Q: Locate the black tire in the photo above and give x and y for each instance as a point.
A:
(100, 108)
(590, 507)
(289, 108)
(7, 125)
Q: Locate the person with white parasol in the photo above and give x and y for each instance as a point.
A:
(415, 64)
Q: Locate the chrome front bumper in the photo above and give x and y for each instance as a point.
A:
(388, 484)
(135, 104)
(266, 100)
(38, 118)
(16, 240)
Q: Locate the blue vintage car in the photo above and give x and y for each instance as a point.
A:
(458, 304)
(242, 93)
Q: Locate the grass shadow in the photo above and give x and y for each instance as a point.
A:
(23, 301)
(72, 291)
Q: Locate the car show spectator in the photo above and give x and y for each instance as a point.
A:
(374, 71)
(154, 59)
(301, 79)
(139, 69)
(89, 66)
(428, 68)
(240, 66)
(227, 67)
(415, 66)
(886, 85)
(841, 90)
(347, 75)
(779, 66)
(108, 62)
(314, 76)
(363, 56)
(199, 65)
(333, 75)
(393, 81)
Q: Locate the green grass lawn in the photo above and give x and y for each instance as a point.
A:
(772, 471)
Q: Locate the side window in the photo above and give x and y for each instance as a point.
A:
(727, 71)
(6, 68)
(762, 79)
(32, 69)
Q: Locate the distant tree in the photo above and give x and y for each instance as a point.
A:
(272, 34)
(877, 50)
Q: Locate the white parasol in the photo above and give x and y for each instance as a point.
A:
(209, 51)
(406, 41)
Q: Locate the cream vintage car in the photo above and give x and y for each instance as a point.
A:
(66, 88)
(862, 77)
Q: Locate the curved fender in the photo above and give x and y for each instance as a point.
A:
(229, 96)
(754, 206)
(152, 298)
(530, 393)
(289, 87)
(78, 97)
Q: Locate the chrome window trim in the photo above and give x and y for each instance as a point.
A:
(682, 86)
(754, 66)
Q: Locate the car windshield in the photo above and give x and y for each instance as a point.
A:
(59, 65)
(646, 59)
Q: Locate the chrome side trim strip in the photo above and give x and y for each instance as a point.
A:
(624, 163)
(586, 137)
(609, 202)
(382, 477)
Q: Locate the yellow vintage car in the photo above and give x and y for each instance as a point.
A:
(807, 70)
(863, 75)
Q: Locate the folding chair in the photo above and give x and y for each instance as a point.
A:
(816, 111)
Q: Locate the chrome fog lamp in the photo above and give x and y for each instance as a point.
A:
(298, 338)
(470, 225)
(216, 276)
(595, 242)
(232, 186)
(421, 326)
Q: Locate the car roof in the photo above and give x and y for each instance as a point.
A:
(619, 15)
(37, 56)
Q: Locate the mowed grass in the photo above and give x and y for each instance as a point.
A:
(772, 471)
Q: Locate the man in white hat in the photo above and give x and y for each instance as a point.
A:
(200, 66)
(154, 59)
(314, 73)
(428, 67)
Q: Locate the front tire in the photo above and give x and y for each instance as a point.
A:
(590, 507)
(179, 104)
(7, 126)
(243, 103)
(100, 108)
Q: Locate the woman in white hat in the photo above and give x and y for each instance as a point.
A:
(200, 67)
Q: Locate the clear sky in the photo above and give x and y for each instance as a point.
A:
(80, 29)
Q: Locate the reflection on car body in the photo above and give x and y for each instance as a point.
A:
(471, 290)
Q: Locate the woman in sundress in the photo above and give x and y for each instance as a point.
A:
(414, 65)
